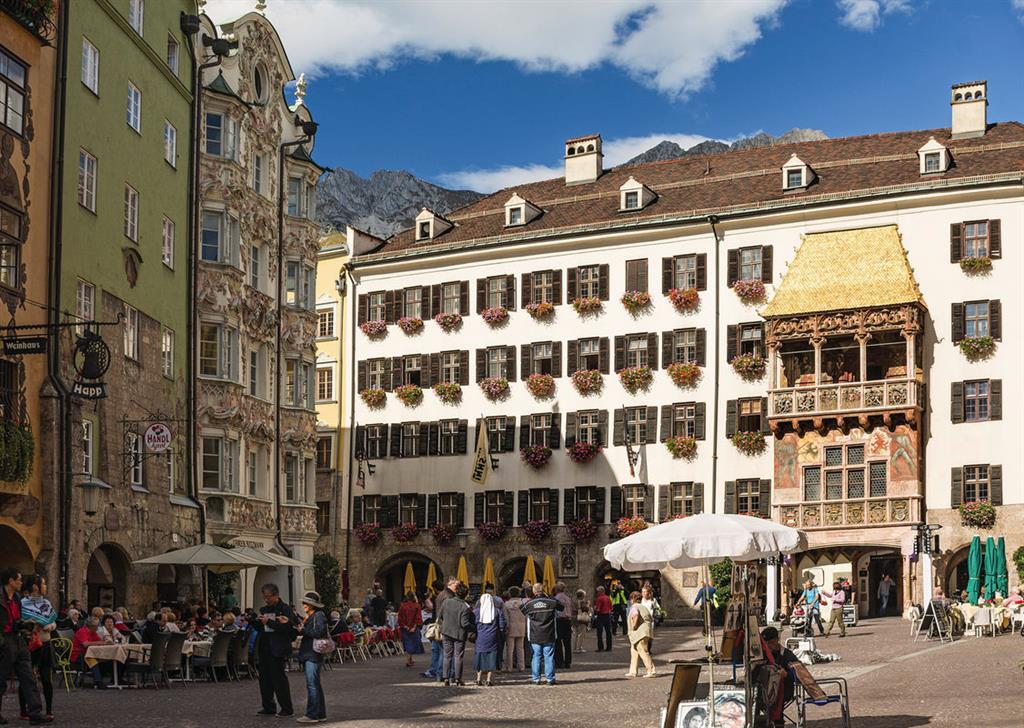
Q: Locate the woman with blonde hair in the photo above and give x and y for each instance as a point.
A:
(583, 615)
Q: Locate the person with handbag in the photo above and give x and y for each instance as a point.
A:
(316, 642)
(37, 610)
(640, 624)
(456, 625)
(584, 615)
(410, 619)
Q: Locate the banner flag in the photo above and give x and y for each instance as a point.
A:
(482, 456)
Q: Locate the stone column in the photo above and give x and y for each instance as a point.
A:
(862, 341)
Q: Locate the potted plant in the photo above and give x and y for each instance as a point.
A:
(635, 379)
(541, 386)
(978, 514)
(582, 452)
(749, 366)
(448, 321)
(684, 300)
(536, 456)
(582, 530)
(410, 324)
(749, 443)
(636, 302)
(976, 266)
(373, 397)
(494, 388)
(17, 447)
(404, 532)
(410, 394)
(685, 375)
(682, 446)
(448, 392)
(491, 531)
(676, 517)
(629, 525)
(495, 316)
(749, 291)
(443, 533)
(369, 534)
(540, 311)
(587, 305)
(537, 530)
(374, 329)
(587, 381)
(977, 347)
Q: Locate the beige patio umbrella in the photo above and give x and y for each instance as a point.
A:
(217, 559)
(267, 558)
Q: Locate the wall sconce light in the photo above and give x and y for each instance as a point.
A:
(91, 496)
(462, 538)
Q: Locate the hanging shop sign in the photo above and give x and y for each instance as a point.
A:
(92, 359)
(157, 437)
(25, 345)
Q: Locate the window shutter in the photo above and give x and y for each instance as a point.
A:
(766, 264)
(995, 484)
(425, 307)
(652, 425)
(572, 358)
(556, 358)
(507, 508)
(731, 416)
(569, 505)
(666, 422)
(553, 506)
(433, 510)
(435, 301)
(957, 319)
(556, 287)
(478, 508)
(995, 320)
(462, 436)
(616, 504)
(764, 498)
(619, 428)
(523, 497)
(570, 284)
(435, 370)
(433, 438)
(526, 360)
(510, 433)
(524, 431)
(733, 269)
(995, 239)
(701, 347)
(397, 371)
(730, 496)
(360, 440)
(460, 510)
(421, 510)
(702, 271)
(556, 430)
(510, 363)
(481, 294)
(648, 502)
(602, 425)
(667, 266)
(570, 429)
(956, 487)
(362, 376)
(421, 448)
(663, 502)
(396, 439)
(620, 353)
(631, 276)
(389, 307)
(641, 276)
(464, 367)
(481, 364)
(765, 429)
(386, 376)
(602, 355)
(602, 282)
(464, 298)
(364, 307)
(510, 293)
(357, 510)
(698, 498)
(956, 404)
(956, 242)
(731, 343)
(527, 289)
(668, 341)
(390, 511)
(995, 399)
(652, 351)
(599, 501)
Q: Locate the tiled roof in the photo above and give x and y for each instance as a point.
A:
(846, 269)
(751, 179)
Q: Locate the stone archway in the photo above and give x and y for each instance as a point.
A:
(510, 574)
(107, 576)
(16, 551)
(391, 574)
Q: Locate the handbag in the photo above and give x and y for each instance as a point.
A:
(323, 645)
(433, 632)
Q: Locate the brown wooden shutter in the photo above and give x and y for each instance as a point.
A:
(464, 298)
(527, 295)
(363, 376)
(615, 498)
(701, 347)
(620, 353)
(555, 434)
(357, 510)
(731, 417)
(731, 342)
(733, 268)
(600, 498)
(464, 367)
(995, 320)
(523, 497)
(699, 420)
(956, 242)
(619, 428)
(524, 431)
(425, 307)
(663, 492)
(462, 438)
(666, 421)
(698, 498)
(572, 358)
(995, 399)
(602, 355)
(553, 506)
(481, 364)
(435, 370)
(668, 348)
(667, 271)
(397, 371)
(421, 448)
(386, 376)
(389, 307)
(433, 510)
(433, 437)
(652, 425)
(364, 307)
(508, 500)
(526, 360)
(510, 433)
(765, 429)
(556, 358)
(652, 351)
(569, 505)
(602, 426)
(766, 264)
(510, 292)
(995, 239)
(956, 487)
(570, 429)
(435, 301)
(648, 503)
(764, 498)
(460, 510)
(481, 294)
(956, 402)
(395, 443)
(510, 362)
(730, 497)
(602, 282)
(630, 276)
(995, 485)
(478, 508)
(570, 284)
(360, 440)
(702, 271)
(556, 287)
(957, 320)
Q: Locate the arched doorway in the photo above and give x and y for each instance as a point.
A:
(107, 577)
(511, 574)
(631, 580)
(16, 552)
(391, 575)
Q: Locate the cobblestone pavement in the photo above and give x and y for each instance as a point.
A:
(894, 683)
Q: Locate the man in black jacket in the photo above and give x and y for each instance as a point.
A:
(540, 631)
(276, 628)
(14, 656)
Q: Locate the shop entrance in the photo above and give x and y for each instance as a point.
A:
(878, 566)
(107, 577)
(391, 575)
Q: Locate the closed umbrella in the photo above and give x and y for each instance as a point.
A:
(990, 567)
(530, 573)
(409, 585)
(974, 570)
(462, 572)
(488, 572)
(1002, 577)
(549, 576)
(431, 578)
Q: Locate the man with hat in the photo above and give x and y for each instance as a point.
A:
(313, 629)
(275, 629)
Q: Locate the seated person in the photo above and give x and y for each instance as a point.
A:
(111, 632)
(227, 623)
(120, 624)
(337, 625)
(201, 618)
(1014, 599)
(85, 636)
(154, 625)
(355, 624)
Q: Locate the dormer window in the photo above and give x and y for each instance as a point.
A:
(932, 162)
(519, 211)
(794, 178)
(424, 231)
(933, 157)
(430, 225)
(631, 201)
(515, 216)
(796, 175)
(634, 195)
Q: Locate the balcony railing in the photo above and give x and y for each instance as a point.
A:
(35, 15)
(844, 514)
(842, 397)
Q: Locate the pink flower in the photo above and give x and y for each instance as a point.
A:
(636, 378)
(494, 388)
(374, 329)
(448, 321)
(636, 301)
(410, 394)
(536, 456)
(373, 398)
(541, 310)
(448, 392)
(582, 452)
(682, 447)
(684, 299)
(683, 375)
(587, 381)
(495, 316)
(541, 386)
(410, 324)
(749, 291)
(585, 305)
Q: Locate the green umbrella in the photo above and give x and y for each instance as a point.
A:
(1002, 577)
(974, 570)
(990, 567)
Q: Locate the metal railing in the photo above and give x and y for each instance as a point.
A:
(837, 397)
(35, 15)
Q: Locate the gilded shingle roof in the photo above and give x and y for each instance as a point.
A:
(846, 269)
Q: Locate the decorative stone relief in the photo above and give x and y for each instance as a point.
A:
(299, 429)
(251, 514)
(298, 520)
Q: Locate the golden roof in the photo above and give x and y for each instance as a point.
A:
(846, 269)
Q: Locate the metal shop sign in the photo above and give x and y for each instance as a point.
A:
(157, 437)
(92, 359)
(25, 345)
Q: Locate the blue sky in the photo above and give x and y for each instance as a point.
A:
(482, 95)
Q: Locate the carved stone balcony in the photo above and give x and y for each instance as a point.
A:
(845, 398)
(817, 515)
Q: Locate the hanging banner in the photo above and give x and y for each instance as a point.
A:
(482, 456)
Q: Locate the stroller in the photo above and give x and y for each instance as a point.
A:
(798, 621)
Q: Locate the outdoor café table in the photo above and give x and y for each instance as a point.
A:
(196, 648)
(113, 653)
(999, 614)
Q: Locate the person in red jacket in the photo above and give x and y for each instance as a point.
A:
(85, 636)
(603, 614)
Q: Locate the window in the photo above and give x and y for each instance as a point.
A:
(85, 305)
(590, 354)
(323, 516)
(376, 441)
(86, 180)
(170, 144)
(541, 358)
(494, 502)
(447, 509)
(254, 373)
(750, 263)
(933, 162)
(423, 231)
(410, 439)
(976, 401)
(846, 474)
(87, 442)
(750, 339)
(258, 172)
(451, 297)
(325, 384)
(220, 238)
(515, 216)
(377, 310)
(449, 433)
(975, 243)
(90, 66)
(684, 420)
(632, 200)
(451, 369)
(411, 372)
(408, 508)
(976, 483)
(133, 112)
(131, 332)
(257, 82)
(586, 504)
(636, 425)
(375, 372)
(371, 509)
(169, 469)
(976, 322)
(498, 436)
(636, 275)
(172, 54)
(294, 483)
(131, 213)
(812, 483)
(879, 479)
(298, 381)
(540, 504)
(685, 349)
(12, 93)
(544, 287)
(296, 200)
(325, 452)
(748, 496)
(167, 352)
(133, 451)
(497, 363)
(588, 427)
(10, 264)
(794, 178)
(325, 323)
(633, 497)
(252, 468)
(496, 292)
(412, 302)
(135, 12)
(636, 350)
(680, 500)
(221, 136)
(254, 267)
(217, 346)
(540, 430)
(749, 414)
(685, 272)
(588, 279)
(167, 247)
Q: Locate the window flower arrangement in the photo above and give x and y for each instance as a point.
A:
(749, 443)
(676, 517)
(684, 300)
(629, 525)
(410, 324)
(582, 452)
(537, 530)
(404, 532)
(587, 305)
(978, 514)
(369, 534)
(491, 531)
(587, 381)
(636, 302)
(749, 366)
(976, 266)
(541, 386)
(443, 533)
(749, 291)
(684, 375)
(448, 392)
(755, 514)
(448, 321)
(682, 446)
(536, 456)
(410, 394)
(494, 388)
(494, 316)
(582, 530)
(636, 378)
(980, 347)
(540, 311)
(373, 398)
(374, 329)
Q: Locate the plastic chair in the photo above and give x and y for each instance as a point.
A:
(346, 645)
(172, 658)
(1017, 620)
(983, 621)
(62, 647)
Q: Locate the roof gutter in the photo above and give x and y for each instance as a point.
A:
(712, 221)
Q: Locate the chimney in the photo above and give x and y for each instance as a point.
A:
(583, 159)
(969, 102)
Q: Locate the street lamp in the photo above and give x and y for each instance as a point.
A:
(90, 496)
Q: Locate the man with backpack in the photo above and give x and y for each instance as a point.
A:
(540, 630)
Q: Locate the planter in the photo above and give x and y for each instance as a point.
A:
(410, 324)
(684, 300)
(410, 394)
(448, 392)
(404, 532)
(369, 534)
(448, 321)
(537, 530)
(749, 443)
(749, 291)
(587, 305)
(494, 316)
(977, 348)
(541, 386)
(582, 530)
(635, 379)
(443, 533)
(491, 531)
(630, 525)
(17, 447)
(373, 398)
(978, 514)
(494, 388)
(682, 447)
(587, 381)
(636, 302)
(684, 375)
(749, 366)
(582, 452)
(976, 266)
(676, 517)
(536, 456)
(374, 329)
(540, 311)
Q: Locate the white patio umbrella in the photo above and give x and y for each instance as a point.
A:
(267, 558)
(215, 558)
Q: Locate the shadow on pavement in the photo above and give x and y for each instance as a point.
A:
(875, 721)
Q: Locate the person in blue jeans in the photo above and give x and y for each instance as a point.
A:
(441, 593)
(314, 626)
(540, 614)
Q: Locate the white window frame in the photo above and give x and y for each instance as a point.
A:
(173, 53)
(258, 172)
(226, 464)
(255, 371)
(327, 369)
(133, 109)
(90, 66)
(253, 470)
(167, 352)
(228, 237)
(88, 440)
(170, 144)
(131, 332)
(133, 449)
(87, 166)
(136, 13)
(328, 312)
(224, 345)
(255, 252)
(131, 213)
(169, 469)
(167, 246)
(228, 136)
(85, 304)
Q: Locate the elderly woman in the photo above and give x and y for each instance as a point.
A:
(84, 637)
(110, 631)
(490, 624)
(1014, 599)
(410, 619)
(640, 625)
(515, 657)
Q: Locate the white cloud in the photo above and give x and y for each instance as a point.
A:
(1018, 5)
(866, 15)
(670, 46)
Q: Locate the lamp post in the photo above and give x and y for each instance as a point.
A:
(91, 490)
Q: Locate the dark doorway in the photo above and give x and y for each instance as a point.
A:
(631, 580)
(16, 552)
(107, 577)
(511, 574)
(878, 567)
(392, 576)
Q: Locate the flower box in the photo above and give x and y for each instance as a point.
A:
(749, 366)
(749, 443)
(536, 456)
(404, 532)
(443, 533)
(749, 291)
(587, 381)
(629, 525)
(494, 316)
(410, 324)
(684, 375)
(540, 311)
(448, 392)
(682, 447)
(676, 517)
(373, 398)
(494, 388)
(635, 379)
(537, 530)
(976, 266)
(684, 300)
(410, 394)
(582, 452)
(978, 514)
(369, 534)
(374, 329)
(582, 530)
(448, 321)
(587, 305)
(636, 302)
(977, 348)
(541, 386)
(491, 531)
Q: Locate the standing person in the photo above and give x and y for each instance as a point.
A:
(811, 598)
(540, 630)
(583, 614)
(651, 604)
(313, 627)
(527, 595)
(884, 590)
(603, 614)
(14, 655)
(379, 609)
(499, 604)
(641, 625)
(410, 619)
(275, 628)
(838, 601)
(490, 623)
(516, 621)
(441, 593)
(620, 602)
(456, 623)
(229, 600)
(37, 610)
(563, 627)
